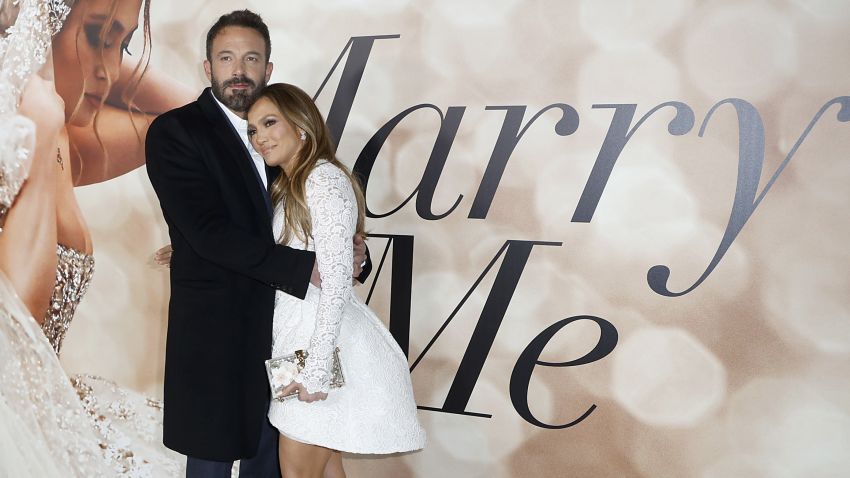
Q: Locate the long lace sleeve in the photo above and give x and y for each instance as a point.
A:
(333, 212)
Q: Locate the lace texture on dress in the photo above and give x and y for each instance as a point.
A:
(333, 216)
(375, 412)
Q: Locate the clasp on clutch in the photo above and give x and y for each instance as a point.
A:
(301, 356)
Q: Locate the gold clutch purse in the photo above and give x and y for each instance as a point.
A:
(283, 370)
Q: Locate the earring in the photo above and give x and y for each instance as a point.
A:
(303, 135)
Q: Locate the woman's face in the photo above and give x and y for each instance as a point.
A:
(87, 54)
(272, 135)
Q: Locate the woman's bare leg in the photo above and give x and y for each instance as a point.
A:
(334, 469)
(300, 460)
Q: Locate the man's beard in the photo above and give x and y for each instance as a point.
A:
(239, 100)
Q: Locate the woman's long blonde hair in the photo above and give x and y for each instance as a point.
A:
(302, 114)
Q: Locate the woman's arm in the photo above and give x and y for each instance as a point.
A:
(333, 215)
(28, 240)
(156, 93)
(118, 147)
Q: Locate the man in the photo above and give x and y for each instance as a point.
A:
(225, 265)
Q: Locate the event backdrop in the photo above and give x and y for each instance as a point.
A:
(612, 235)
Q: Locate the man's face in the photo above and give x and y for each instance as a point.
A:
(238, 69)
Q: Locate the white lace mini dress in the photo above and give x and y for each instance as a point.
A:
(374, 412)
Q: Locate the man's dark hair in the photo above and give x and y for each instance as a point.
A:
(240, 18)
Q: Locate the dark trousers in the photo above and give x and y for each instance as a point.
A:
(263, 465)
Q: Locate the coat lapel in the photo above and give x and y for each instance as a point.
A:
(233, 150)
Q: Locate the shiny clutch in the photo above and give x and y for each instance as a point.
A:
(283, 370)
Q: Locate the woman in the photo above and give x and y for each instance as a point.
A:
(43, 428)
(45, 247)
(320, 207)
(107, 107)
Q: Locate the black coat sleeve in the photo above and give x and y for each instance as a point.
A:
(367, 268)
(193, 204)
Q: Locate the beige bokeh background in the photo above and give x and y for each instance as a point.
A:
(745, 376)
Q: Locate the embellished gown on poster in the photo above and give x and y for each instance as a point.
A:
(44, 431)
(127, 424)
(374, 412)
(50, 424)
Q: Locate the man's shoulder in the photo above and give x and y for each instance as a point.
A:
(178, 122)
(187, 112)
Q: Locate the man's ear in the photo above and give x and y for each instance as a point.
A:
(208, 69)
(269, 68)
